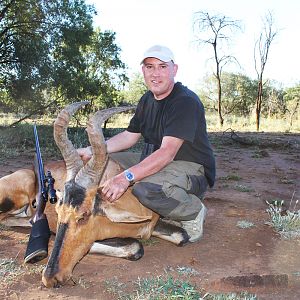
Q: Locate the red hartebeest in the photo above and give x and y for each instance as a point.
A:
(82, 221)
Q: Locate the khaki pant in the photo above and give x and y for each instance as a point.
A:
(175, 192)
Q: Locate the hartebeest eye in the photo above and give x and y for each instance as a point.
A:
(83, 218)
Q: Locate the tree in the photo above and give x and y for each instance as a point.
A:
(100, 76)
(261, 53)
(238, 93)
(51, 54)
(218, 29)
(136, 89)
(292, 99)
(274, 104)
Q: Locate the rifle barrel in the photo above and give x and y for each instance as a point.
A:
(41, 174)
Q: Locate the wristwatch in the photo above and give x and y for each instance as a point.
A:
(129, 176)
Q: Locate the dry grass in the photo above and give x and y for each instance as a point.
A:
(9, 270)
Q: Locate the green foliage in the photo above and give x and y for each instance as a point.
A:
(135, 90)
(292, 95)
(292, 101)
(51, 55)
(239, 94)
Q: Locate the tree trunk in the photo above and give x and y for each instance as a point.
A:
(293, 113)
(221, 119)
(258, 104)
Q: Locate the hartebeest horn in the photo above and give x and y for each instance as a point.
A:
(91, 173)
(68, 151)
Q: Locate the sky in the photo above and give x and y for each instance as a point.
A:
(140, 24)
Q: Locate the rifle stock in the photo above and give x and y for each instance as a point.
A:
(37, 247)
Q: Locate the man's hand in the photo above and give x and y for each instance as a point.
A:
(85, 153)
(115, 187)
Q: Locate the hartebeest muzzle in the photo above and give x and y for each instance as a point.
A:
(78, 207)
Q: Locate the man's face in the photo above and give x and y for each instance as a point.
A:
(159, 76)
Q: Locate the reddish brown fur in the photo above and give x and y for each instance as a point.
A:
(19, 187)
(126, 217)
(88, 219)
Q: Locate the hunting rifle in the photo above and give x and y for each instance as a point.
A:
(37, 247)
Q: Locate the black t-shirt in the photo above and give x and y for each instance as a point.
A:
(181, 114)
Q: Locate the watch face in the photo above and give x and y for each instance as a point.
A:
(129, 176)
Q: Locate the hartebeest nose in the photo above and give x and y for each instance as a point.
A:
(54, 280)
(49, 282)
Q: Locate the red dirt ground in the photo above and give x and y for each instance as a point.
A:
(227, 259)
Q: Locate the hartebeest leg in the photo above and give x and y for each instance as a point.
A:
(128, 248)
(171, 233)
(17, 218)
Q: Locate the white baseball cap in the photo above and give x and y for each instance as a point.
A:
(160, 52)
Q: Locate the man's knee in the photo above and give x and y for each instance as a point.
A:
(197, 185)
(152, 196)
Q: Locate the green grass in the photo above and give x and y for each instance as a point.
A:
(9, 270)
(244, 224)
(243, 188)
(260, 153)
(19, 140)
(150, 242)
(233, 177)
(167, 288)
(285, 222)
(232, 296)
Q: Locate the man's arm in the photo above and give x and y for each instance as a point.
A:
(122, 141)
(158, 159)
(116, 186)
(119, 142)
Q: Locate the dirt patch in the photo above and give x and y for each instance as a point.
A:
(228, 258)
